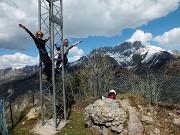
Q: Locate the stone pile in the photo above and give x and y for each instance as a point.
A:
(118, 116)
(105, 115)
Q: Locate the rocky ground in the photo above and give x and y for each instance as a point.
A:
(124, 116)
(120, 117)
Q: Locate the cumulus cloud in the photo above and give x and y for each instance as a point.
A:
(12, 13)
(169, 38)
(74, 58)
(82, 18)
(140, 35)
(76, 51)
(76, 54)
(17, 60)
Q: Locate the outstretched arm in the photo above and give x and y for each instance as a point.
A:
(71, 46)
(23, 27)
(49, 37)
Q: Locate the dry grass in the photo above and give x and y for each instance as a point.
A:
(76, 126)
(133, 99)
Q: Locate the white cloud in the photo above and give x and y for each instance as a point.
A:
(82, 18)
(17, 60)
(76, 54)
(74, 58)
(76, 51)
(140, 35)
(169, 38)
(12, 13)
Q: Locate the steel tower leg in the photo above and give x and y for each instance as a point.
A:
(51, 23)
(3, 126)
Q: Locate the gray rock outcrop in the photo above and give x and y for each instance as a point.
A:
(135, 126)
(119, 116)
(105, 115)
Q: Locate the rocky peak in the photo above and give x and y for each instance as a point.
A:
(10, 73)
(135, 56)
(126, 46)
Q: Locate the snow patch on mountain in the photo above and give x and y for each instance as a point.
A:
(129, 54)
(149, 49)
(120, 58)
(14, 72)
(149, 52)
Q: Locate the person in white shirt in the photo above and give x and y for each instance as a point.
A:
(66, 50)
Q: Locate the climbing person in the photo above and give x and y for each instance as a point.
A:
(40, 43)
(112, 94)
(66, 50)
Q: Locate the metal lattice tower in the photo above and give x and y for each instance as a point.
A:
(51, 23)
(3, 126)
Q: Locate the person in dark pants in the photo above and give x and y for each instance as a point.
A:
(66, 50)
(40, 43)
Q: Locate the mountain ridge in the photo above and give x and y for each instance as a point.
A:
(135, 56)
(12, 73)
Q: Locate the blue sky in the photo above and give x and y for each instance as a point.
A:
(107, 23)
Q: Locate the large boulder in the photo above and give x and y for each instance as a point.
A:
(121, 117)
(105, 115)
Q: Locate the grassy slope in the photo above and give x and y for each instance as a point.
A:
(24, 125)
(75, 126)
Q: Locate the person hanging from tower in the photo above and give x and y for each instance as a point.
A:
(40, 44)
(66, 50)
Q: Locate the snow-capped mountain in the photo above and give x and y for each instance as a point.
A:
(136, 56)
(11, 73)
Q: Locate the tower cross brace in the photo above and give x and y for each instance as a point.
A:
(50, 18)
